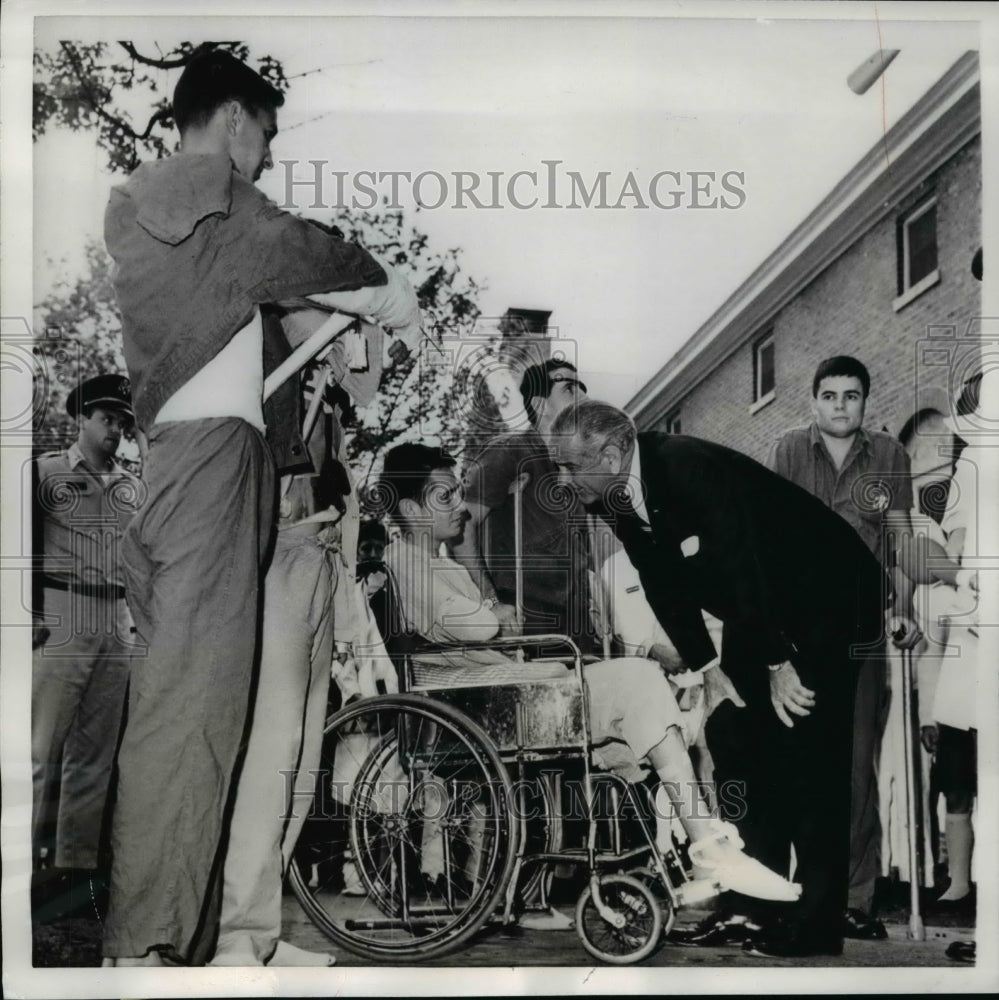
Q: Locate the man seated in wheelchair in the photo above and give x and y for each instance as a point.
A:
(634, 717)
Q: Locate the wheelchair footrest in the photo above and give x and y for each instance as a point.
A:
(394, 923)
(581, 857)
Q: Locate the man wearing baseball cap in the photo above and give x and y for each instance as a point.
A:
(83, 502)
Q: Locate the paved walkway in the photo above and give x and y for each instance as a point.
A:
(563, 948)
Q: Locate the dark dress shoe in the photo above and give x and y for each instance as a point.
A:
(861, 927)
(725, 927)
(961, 951)
(791, 946)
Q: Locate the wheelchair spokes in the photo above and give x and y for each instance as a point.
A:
(427, 804)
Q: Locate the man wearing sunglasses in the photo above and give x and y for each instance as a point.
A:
(553, 554)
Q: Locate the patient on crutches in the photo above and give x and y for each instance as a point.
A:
(634, 717)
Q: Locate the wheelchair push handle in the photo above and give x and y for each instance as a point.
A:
(517, 489)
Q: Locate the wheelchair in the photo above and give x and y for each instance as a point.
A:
(450, 802)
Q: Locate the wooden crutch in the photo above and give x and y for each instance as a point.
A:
(330, 329)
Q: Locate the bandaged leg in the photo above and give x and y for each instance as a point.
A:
(960, 838)
(631, 700)
(715, 847)
(434, 806)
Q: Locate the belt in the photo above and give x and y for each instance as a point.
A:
(109, 591)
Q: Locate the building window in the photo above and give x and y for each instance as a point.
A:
(672, 423)
(917, 252)
(764, 380)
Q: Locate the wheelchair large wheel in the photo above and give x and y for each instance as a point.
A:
(636, 929)
(425, 803)
(545, 833)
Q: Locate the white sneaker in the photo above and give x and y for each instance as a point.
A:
(721, 857)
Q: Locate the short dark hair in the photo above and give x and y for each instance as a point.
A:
(372, 531)
(537, 381)
(842, 365)
(405, 474)
(212, 77)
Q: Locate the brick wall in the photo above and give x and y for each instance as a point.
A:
(847, 309)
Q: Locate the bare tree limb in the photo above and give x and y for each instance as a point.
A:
(158, 63)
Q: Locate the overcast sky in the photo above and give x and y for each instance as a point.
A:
(764, 101)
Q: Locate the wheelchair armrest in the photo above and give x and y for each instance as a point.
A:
(511, 642)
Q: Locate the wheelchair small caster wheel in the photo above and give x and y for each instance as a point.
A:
(632, 928)
(654, 883)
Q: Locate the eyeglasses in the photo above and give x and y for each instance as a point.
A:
(568, 378)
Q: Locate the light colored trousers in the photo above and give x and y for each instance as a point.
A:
(192, 561)
(78, 684)
(277, 780)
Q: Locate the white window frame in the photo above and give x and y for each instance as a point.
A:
(672, 419)
(760, 399)
(913, 291)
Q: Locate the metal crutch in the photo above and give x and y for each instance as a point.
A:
(517, 489)
(917, 932)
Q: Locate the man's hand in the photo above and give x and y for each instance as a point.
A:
(718, 688)
(506, 615)
(667, 657)
(929, 736)
(904, 631)
(788, 694)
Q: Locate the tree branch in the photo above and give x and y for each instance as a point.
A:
(160, 116)
(98, 109)
(158, 63)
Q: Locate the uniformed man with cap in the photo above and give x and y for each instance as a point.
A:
(83, 502)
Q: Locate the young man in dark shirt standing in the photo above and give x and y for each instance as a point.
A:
(198, 250)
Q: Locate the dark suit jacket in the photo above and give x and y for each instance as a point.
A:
(770, 561)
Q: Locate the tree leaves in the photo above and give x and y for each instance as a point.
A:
(120, 94)
(91, 87)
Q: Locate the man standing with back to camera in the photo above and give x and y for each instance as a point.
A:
(198, 250)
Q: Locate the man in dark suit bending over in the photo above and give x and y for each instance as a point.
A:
(800, 596)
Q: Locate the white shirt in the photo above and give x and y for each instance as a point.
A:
(230, 385)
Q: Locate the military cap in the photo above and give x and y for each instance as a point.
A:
(114, 392)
